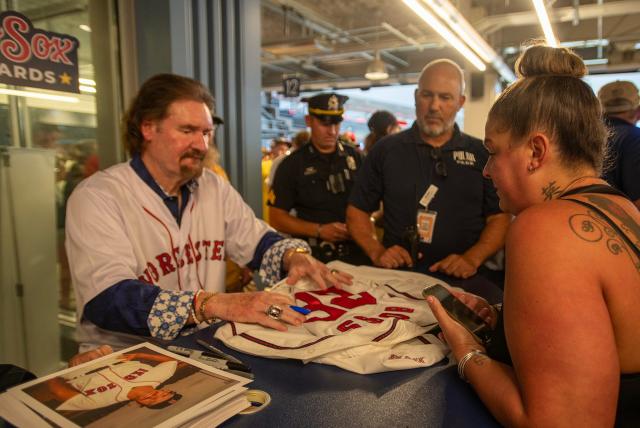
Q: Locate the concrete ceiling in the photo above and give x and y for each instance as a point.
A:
(331, 43)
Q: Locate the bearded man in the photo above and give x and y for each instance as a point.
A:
(440, 213)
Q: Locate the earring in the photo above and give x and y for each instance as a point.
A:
(530, 168)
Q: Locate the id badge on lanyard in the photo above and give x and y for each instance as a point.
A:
(426, 219)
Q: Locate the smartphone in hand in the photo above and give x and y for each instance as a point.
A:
(459, 311)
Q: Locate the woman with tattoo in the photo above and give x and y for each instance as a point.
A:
(572, 291)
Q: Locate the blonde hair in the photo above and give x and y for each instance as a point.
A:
(549, 96)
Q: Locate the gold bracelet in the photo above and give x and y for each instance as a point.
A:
(193, 307)
(292, 251)
(201, 310)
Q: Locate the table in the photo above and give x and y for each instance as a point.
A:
(318, 395)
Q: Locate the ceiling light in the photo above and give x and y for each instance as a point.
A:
(596, 61)
(85, 27)
(458, 23)
(445, 33)
(89, 82)
(40, 95)
(594, 43)
(541, 11)
(377, 70)
(89, 89)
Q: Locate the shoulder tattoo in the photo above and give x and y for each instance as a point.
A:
(591, 227)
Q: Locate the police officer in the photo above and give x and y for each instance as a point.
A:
(316, 181)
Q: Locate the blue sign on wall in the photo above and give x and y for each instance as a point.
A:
(37, 58)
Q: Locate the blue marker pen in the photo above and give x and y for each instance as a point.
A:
(303, 311)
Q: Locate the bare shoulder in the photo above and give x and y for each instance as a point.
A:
(578, 234)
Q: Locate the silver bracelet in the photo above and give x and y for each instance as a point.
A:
(464, 360)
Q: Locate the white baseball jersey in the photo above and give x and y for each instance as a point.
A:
(111, 384)
(118, 228)
(377, 324)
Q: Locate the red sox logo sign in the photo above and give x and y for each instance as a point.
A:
(35, 57)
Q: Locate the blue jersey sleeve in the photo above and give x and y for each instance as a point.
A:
(267, 240)
(130, 306)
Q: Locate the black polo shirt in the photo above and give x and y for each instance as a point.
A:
(398, 171)
(623, 169)
(316, 185)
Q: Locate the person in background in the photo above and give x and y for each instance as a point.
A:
(621, 104)
(163, 220)
(280, 149)
(315, 181)
(570, 316)
(300, 139)
(441, 215)
(280, 146)
(380, 124)
(349, 138)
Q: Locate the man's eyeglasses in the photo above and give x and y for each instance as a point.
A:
(441, 166)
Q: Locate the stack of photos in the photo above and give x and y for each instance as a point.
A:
(141, 386)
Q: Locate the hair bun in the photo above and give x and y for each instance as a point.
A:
(540, 60)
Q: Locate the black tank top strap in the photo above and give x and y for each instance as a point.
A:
(595, 188)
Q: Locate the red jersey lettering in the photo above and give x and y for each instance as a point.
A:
(165, 263)
(217, 250)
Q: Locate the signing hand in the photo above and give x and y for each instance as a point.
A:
(393, 257)
(455, 265)
(90, 355)
(252, 308)
(301, 265)
(333, 232)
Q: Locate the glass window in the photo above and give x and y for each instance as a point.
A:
(62, 128)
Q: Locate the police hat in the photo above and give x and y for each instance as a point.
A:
(327, 107)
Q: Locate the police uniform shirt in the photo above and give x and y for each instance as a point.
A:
(317, 185)
(399, 170)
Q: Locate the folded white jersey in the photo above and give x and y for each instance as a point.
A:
(377, 324)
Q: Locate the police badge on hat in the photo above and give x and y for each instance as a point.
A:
(328, 107)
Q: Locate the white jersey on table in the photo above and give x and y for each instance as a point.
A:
(377, 324)
(111, 384)
(118, 228)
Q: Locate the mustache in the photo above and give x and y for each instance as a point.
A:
(196, 154)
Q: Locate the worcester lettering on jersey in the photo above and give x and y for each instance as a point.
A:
(167, 263)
